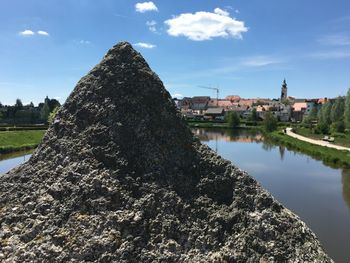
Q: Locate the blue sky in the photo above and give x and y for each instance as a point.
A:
(243, 47)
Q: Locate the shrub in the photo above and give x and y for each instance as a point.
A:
(338, 126)
(233, 119)
(322, 128)
(270, 122)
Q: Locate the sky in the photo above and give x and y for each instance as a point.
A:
(242, 47)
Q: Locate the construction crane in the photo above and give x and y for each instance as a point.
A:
(217, 92)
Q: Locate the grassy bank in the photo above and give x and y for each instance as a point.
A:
(223, 125)
(342, 139)
(331, 157)
(11, 141)
(201, 124)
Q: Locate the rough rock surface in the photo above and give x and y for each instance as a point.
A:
(119, 177)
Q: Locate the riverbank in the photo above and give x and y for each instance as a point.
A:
(289, 132)
(329, 156)
(341, 139)
(11, 141)
(223, 125)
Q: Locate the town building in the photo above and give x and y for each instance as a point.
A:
(215, 114)
(199, 104)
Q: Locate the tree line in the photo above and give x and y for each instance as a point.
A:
(331, 117)
(28, 114)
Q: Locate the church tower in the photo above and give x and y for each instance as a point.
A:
(284, 90)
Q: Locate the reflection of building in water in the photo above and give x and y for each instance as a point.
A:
(346, 185)
(227, 135)
(268, 146)
(282, 151)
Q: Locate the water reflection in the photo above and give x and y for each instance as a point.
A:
(9, 161)
(234, 135)
(317, 192)
(282, 151)
(346, 185)
(252, 136)
(23, 154)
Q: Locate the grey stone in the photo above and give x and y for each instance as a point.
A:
(120, 177)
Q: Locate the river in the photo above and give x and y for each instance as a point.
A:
(319, 194)
(11, 160)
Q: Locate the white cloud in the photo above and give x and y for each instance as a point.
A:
(177, 95)
(84, 42)
(152, 26)
(259, 61)
(151, 23)
(231, 8)
(145, 45)
(334, 54)
(206, 25)
(27, 33)
(221, 12)
(145, 6)
(335, 40)
(43, 33)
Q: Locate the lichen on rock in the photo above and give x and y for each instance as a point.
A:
(120, 177)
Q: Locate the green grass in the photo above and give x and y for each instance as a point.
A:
(11, 141)
(308, 133)
(220, 124)
(331, 157)
(201, 124)
(342, 139)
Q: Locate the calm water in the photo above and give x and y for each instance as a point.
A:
(9, 161)
(320, 195)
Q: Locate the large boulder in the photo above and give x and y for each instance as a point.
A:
(120, 177)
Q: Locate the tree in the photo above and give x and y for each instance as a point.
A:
(233, 119)
(44, 113)
(347, 110)
(52, 115)
(53, 103)
(337, 110)
(270, 122)
(324, 119)
(322, 128)
(324, 115)
(19, 104)
(253, 115)
(307, 121)
(313, 113)
(338, 126)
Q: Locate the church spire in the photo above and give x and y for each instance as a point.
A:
(284, 90)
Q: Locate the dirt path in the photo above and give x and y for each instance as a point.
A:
(317, 142)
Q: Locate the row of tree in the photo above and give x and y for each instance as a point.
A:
(28, 114)
(269, 123)
(333, 116)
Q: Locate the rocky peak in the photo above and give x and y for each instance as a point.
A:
(121, 111)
